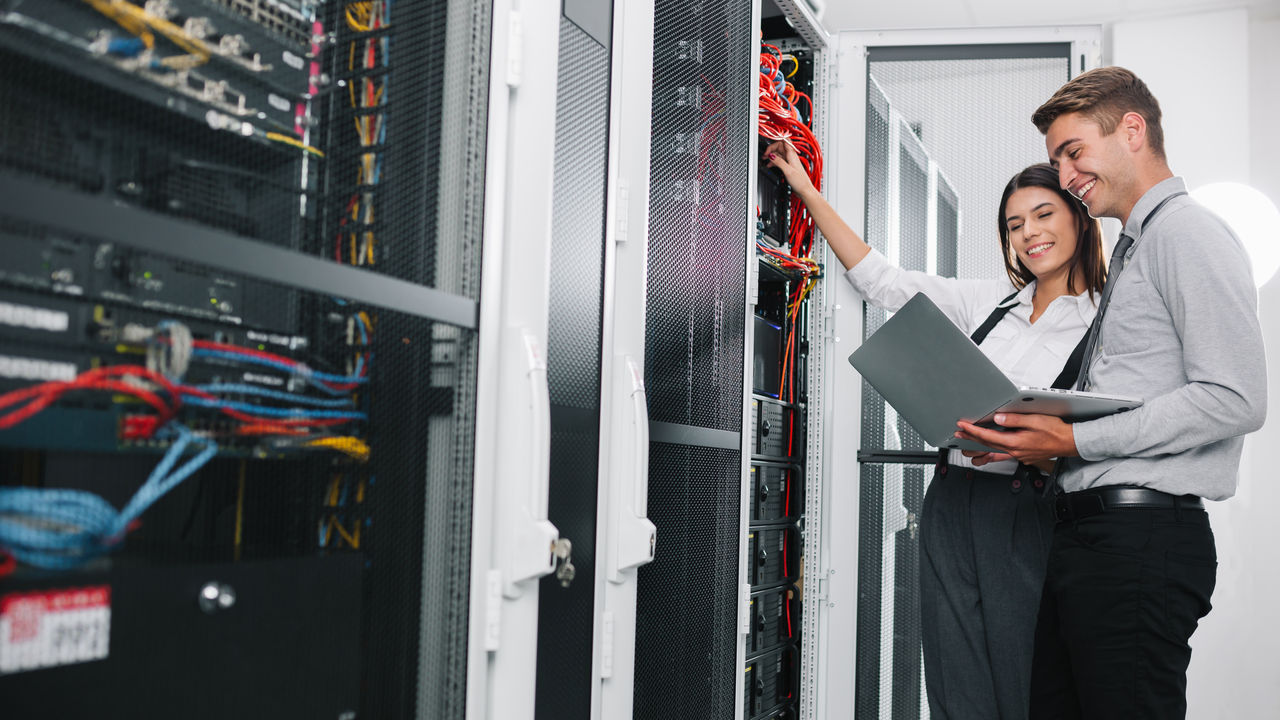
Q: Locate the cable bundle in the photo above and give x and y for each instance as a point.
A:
(780, 118)
(371, 128)
(61, 528)
(166, 395)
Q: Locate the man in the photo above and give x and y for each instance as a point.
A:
(1133, 564)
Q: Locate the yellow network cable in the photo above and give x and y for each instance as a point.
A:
(279, 137)
(358, 14)
(139, 18)
(795, 61)
(351, 446)
(131, 24)
(352, 539)
(332, 500)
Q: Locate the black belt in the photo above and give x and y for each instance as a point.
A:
(1084, 503)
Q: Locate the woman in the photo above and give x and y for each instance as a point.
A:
(984, 533)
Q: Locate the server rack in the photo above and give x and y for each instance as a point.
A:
(790, 415)
(232, 215)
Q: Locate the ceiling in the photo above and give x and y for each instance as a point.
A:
(847, 14)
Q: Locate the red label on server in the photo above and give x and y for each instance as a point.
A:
(59, 627)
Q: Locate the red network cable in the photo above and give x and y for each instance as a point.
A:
(7, 563)
(780, 119)
(39, 397)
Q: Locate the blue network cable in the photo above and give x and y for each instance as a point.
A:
(60, 528)
(272, 411)
(246, 389)
(314, 377)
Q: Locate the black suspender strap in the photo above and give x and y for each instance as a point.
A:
(992, 320)
(1067, 377)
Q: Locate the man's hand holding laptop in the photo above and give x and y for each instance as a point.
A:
(1030, 439)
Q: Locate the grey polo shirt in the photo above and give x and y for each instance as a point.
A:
(1182, 333)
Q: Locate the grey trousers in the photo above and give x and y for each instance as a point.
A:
(984, 545)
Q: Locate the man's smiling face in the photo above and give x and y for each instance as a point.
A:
(1094, 167)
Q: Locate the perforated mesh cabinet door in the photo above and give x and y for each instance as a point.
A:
(687, 602)
(948, 231)
(698, 213)
(973, 118)
(566, 614)
(686, 639)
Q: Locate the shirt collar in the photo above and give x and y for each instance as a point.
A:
(1085, 305)
(1148, 202)
(1023, 297)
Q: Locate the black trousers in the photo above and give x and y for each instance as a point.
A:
(984, 540)
(1125, 590)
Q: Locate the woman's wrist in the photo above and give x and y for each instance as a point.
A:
(805, 191)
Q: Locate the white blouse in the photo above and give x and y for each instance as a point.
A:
(1030, 354)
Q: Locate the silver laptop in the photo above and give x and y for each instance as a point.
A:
(934, 375)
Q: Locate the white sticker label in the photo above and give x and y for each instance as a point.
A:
(279, 103)
(34, 318)
(293, 61)
(20, 368)
(262, 379)
(48, 629)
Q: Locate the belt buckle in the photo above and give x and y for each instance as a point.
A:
(1077, 506)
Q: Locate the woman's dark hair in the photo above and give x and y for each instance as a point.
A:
(1088, 257)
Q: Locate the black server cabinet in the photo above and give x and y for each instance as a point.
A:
(237, 356)
(688, 598)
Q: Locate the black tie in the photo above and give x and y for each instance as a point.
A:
(1095, 330)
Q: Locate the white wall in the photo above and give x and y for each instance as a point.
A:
(1198, 68)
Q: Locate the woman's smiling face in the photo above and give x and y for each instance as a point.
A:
(1042, 231)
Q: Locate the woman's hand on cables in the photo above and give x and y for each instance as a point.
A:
(1029, 439)
(782, 156)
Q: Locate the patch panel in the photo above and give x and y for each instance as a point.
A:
(240, 60)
